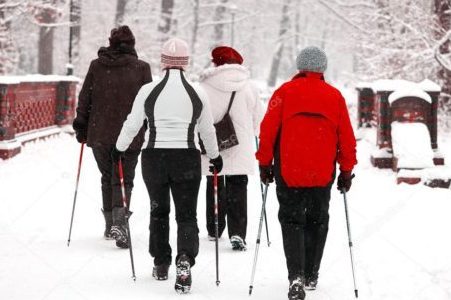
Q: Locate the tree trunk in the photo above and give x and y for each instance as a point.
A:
(218, 33)
(8, 55)
(442, 10)
(120, 12)
(164, 26)
(45, 44)
(284, 24)
(195, 29)
(75, 32)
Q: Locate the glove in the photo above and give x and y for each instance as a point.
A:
(81, 133)
(345, 181)
(116, 155)
(266, 174)
(216, 164)
(81, 136)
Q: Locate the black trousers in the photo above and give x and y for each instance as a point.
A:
(175, 171)
(232, 203)
(304, 218)
(111, 187)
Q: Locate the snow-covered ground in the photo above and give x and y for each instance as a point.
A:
(401, 236)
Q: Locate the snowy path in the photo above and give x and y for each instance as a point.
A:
(401, 236)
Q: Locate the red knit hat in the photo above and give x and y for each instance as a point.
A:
(226, 55)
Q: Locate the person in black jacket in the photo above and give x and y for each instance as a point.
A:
(106, 98)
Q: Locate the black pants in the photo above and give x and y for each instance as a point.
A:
(304, 217)
(111, 187)
(175, 171)
(232, 203)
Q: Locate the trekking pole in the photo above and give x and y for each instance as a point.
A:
(76, 192)
(215, 188)
(261, 189)
(356, 292)
(124, 203)
(257, 246)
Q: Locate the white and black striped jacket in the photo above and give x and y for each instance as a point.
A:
(175, 111)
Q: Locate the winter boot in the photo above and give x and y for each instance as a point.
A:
(183, 276)
(238, 243)
(296, 289)
(160, 272)
(311, 282)
(119, 230)
(108, 215)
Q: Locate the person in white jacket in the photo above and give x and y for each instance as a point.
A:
(175, 111)
(219, 82)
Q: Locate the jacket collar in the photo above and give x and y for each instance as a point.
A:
(313, 75)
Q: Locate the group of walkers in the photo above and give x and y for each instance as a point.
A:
(184, 130)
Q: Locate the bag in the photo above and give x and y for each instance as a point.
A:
(225, 131)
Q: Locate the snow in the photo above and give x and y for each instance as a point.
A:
(412, 145)
(389, 85)
(430, 86)
(399, 232)
(37, 78)
(411, 91)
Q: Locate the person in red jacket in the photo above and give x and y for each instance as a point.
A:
(305, 132)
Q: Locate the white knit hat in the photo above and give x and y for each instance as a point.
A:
(174, 53)
(312, 59)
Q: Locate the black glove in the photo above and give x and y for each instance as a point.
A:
(116, 155)
(266, 174)
(345, 181)
(216, 164)
(81, 132)
(81, 136)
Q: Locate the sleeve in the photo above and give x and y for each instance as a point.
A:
(206, 128)
(134, 121)
(258, 111)
(84, 102)
(147, 74)
(269, 129)
(346, 157)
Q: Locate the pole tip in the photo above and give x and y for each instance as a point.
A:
(218, 282)
(250, 289)
(356, 293)
(134, 278)
(68, 243)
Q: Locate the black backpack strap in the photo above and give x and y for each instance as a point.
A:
(231, 101)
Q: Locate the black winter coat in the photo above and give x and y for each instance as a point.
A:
(107, 95)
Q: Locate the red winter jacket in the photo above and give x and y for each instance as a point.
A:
(315, 132)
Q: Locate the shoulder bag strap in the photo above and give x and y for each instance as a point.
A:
(232, 97)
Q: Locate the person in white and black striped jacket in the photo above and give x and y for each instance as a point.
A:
(175, 111)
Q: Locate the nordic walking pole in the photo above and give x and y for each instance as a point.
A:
(356, 291)
(215, 188)
(76, 192)
(257, 246)
(124, 203)
(261, 189)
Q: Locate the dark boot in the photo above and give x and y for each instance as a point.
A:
(296, 289)
(183, 277)
(160, 272)
(108, 215)
(238, 244)
(311, 282)
(119, 230)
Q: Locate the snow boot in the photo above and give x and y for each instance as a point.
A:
(160, 272)
(296, 289)
(183, 275)
(119, 230)
(108, 215)
(311, 282)
(238, 244)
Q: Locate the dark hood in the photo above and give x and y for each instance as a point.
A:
(117, 56)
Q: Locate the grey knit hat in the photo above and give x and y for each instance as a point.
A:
(312, 59)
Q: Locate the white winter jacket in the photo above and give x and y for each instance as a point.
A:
(246, 113)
